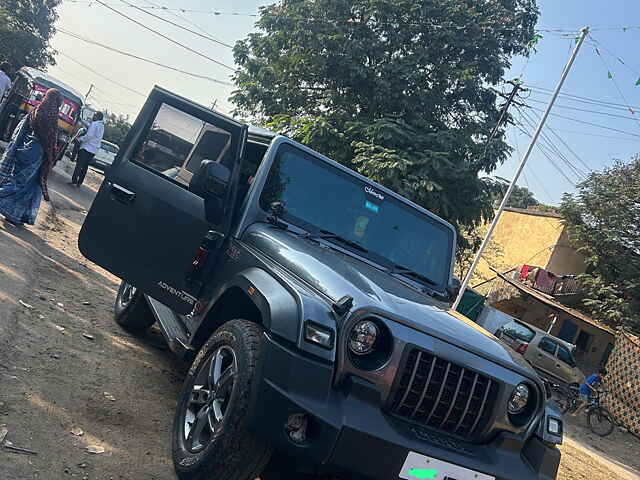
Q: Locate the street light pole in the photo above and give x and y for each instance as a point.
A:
(583, 34)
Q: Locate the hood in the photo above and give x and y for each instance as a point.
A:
(336, 274)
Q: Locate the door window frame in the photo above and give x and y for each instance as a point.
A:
(549, 339)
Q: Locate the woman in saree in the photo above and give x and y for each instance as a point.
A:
(28, 160)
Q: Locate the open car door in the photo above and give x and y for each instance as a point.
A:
(146, 224)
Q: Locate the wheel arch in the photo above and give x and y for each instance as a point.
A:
(257, 296)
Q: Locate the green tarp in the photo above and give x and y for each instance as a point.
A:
(471, 304)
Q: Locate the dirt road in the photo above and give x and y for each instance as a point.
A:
(66, 365)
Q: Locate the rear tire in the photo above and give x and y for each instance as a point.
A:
(600, 421)
(132, 310)
(210, 436)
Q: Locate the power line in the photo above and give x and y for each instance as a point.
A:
(178, 9)
(588, 123)
(603, 103)
(102, 76)
(153, 62)
(165, 36)
(624, 117)
(206, 37)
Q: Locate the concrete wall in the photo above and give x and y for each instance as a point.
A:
(525, 238)
(564, 259)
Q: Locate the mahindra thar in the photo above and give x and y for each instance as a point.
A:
(313, 305)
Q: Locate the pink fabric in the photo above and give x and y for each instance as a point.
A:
(545, 281)
(524, 271)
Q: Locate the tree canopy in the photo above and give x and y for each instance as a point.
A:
(399, 90)
(116, 128)
(521, 197)
(26, 26)
(604, 217)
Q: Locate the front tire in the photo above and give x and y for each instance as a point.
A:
(600, 421)
(132, 310)
(210, 436)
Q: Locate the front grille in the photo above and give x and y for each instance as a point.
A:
(439, 394)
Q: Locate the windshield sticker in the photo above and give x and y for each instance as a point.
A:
(361, 226)
(373, 193)
(371, 206)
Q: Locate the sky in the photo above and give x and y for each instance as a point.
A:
(604, 75)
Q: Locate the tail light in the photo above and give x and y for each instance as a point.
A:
(522, 348)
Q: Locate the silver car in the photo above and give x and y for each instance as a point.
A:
(550, 356)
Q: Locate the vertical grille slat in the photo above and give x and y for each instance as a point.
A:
(426, 387)
(442, 386)
(413, 376)
(442, 395)
(466, 407)
(480, 410)
(453, 400)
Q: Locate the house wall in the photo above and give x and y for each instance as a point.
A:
(524, 238)
(564, 260)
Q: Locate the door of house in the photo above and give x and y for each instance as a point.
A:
(568, 331)
(583, 341)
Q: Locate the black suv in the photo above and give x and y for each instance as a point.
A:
(315, 306)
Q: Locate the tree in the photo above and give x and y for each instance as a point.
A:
(604, 217)
(399, 90)
(116, 127)
(469, 245)
(521, 197)
(26, 26)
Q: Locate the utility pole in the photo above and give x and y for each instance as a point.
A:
(583, 34)
(86, 97)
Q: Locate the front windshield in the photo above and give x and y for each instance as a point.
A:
(109, 148)
(318, 196)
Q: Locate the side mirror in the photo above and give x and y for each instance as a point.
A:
(211, 182)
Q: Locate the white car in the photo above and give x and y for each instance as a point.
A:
(105, 155)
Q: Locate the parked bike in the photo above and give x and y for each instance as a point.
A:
(599, 419)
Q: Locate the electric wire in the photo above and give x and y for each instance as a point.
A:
(143, 59)
(166, 37)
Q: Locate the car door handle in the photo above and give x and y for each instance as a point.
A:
(121, 194)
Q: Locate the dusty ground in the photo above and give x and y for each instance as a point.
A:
(119, 390)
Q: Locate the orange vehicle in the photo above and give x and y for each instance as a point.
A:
(27, 92)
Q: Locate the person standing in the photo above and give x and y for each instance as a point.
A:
(89, 145)
(5, 81)
(28, 160)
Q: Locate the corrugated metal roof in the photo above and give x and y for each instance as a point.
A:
(551, 302)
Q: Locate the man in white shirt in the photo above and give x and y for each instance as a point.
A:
(5, 81)
(89, 145)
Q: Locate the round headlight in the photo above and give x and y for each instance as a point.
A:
(363, 337)
(519, 399)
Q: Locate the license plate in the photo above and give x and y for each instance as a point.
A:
(421, 467)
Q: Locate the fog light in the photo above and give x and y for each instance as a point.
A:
(296, 427)
(554, 426)
(319, 335)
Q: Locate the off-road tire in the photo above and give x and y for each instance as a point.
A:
(592, 419)
(235, 454)
(133, 315)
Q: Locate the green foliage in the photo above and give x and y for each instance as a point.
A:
(398, 89)
(116, 128)
(26, 26)
(521, 197)
(605, 222)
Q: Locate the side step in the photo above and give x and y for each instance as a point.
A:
(171, 327)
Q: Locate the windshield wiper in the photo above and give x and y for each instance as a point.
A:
(399, 269)
(327, 235)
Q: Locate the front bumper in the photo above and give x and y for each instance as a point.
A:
(348, 432)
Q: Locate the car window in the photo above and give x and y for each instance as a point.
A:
(519, 331)
(548, 345)
(169, 141)
(109, 148)
(564, 355)
(356, 211)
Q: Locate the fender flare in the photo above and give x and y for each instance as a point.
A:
(279, 307)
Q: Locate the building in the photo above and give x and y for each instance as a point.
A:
(530, 237)
(538, 297)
